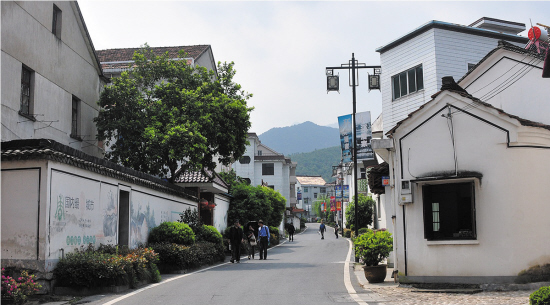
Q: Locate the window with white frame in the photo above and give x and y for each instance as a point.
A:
(407, 82)
(449, 211)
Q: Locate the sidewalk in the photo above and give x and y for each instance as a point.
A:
(390, 292)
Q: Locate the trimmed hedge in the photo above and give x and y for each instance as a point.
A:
(178, 257)
(172, 232)
(87, 267)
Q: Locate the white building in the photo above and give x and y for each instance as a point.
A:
(261, 165)
(470, 175)
(51, 76)
(311, 189)
(414, 63)
(58, 194)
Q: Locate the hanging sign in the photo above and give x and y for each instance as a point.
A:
(385, 180)
(332, 206)
(338, 205)
(299, 196)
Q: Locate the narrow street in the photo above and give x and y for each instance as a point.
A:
(306, 271)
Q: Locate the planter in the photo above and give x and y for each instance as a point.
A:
(375, 274)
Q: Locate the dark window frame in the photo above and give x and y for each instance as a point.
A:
(26, 109)
(403, 83)
(56, 21)
(245, 160)
(455, 215)
(323, 190)
(75, 118)
(268, 169)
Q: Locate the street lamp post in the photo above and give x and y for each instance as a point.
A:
(333, 85)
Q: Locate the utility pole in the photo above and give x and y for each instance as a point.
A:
(333, 85)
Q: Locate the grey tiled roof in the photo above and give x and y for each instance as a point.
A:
(204, 176)
(45, 149)
(121, 58)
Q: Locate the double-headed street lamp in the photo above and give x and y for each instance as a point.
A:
(333, 84)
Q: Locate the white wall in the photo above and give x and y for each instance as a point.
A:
(510, 199)
(220, 212)
(62, 68)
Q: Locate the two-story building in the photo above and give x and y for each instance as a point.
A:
(58, 193)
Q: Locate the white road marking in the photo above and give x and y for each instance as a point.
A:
(347, 279)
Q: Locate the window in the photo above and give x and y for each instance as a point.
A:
(306, 200)
(268, 169)
(407, 82)
(306, 189)
(248, 181)
(244, 160)
(315, 195)
(56, 22)
(449, 211)
(259, 152)
(323, 190)
(363, 173)
(75, 119)
(26, 92)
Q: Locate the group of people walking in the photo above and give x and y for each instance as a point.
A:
(260, 237)
(323, 229)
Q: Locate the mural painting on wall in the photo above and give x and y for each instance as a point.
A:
(82, 212)
(148, 211)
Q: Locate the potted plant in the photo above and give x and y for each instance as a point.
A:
(373, 247)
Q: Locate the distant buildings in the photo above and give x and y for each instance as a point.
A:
(261, 165)
(311, 189)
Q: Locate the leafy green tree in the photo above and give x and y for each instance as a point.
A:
(231, 178)
(164, 113)
(364, 212)
(251, 203)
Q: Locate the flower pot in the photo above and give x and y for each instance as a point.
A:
(375, 274)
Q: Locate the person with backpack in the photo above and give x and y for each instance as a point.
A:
(263, 236)
(322, 229)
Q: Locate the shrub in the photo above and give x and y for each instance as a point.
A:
(87, 267)
(210, 234)
(273, 239)
(540, 297)
(347, 233)
(172, 232)
(373, 247)
(178, 257)
(18, 290)
(274, 230)
(534, 274)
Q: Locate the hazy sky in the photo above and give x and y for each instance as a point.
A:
(281, 48)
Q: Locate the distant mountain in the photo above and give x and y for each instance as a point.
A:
(300, 138)
(318, 162)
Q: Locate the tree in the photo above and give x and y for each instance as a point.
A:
(165, 112)
(251, 203)
(364, 212)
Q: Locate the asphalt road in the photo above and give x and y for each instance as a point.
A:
(306, 271)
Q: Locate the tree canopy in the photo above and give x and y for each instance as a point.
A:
(364, 213)
(164, 113)
(252, 203)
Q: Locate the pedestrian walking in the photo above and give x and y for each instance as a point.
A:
(251, 237)
(236, 238)
(290, 229)
(336, 230)
(263, 235)
(322, 229)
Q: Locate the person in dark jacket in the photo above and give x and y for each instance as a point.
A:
(290, 229)
(236, 238)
